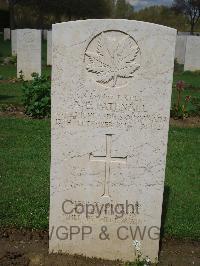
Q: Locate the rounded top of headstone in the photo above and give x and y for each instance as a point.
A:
(116, 23)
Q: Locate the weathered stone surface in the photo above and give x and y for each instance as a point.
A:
(6, 34)
(14, 42)
(180, 48)
(111, 92)
(192, 53)
(28, 52)
(49, 48)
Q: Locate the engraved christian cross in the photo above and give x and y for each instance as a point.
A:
(108, 160)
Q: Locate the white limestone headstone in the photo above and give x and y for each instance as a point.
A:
(192, 53)
(180, 48)
(111, 94)
(49, 48)
(6, 34)
(14, 42)
(28, 52)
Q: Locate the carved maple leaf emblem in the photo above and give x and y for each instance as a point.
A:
(113, 59)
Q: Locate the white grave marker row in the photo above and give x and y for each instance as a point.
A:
(28, 52)
(14, 42)
(6, 34)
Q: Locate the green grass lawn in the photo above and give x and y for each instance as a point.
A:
(11, 94)
(25, 161)
(5, 47)
(24, 173)
(8, 71)
(183, 183)
(189, 78)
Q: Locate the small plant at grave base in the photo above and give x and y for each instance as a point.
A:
(140, 259)
(13, 60)
(21, 76)
(180, 110)
(36, 96)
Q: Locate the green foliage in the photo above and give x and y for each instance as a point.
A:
(36, 96)
(165, 16)
(123, 9)
(4, 18)
(180, 111)
(41, 14)
(191, 88)
(191, 9)
(13, 60)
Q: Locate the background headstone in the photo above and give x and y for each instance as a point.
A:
(28, 52)
(187, 33)
(6, 34)
(14, 42)
(180, 48)
(49, 48)
(111, 94)
(192, 53)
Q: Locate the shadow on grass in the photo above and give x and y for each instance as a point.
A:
(6, 97)
(164, 211)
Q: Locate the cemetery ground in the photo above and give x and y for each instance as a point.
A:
(24, 180)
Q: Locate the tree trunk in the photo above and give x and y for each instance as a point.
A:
(12, 16)
(192, 28)
(40, 22)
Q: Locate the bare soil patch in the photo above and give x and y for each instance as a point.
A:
(28, 248)
(12, 111)
(6, 81)
(187, 122)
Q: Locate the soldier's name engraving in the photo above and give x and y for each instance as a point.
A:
(107, 111)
